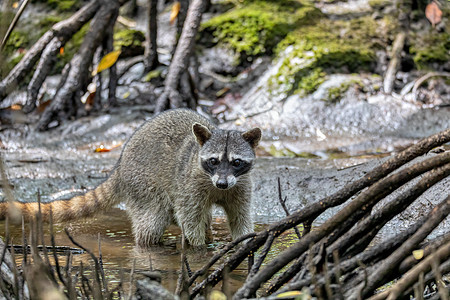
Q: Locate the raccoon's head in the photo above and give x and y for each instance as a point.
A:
(226, 155)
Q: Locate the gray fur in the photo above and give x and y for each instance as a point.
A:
(161, 176)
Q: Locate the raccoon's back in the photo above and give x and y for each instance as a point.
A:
(159, 147)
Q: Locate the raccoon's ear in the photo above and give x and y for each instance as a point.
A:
(252, 136)
(202, 133)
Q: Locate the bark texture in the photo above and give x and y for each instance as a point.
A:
(180, 61)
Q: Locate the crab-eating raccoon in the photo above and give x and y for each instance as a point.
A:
(174, 168)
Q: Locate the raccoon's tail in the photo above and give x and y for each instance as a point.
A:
(88, 204)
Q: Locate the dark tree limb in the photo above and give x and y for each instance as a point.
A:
(180, 61)
(66, 99)
(63, 30)
(44, 67)
(439, 213)
(218, 256)
(428, 180)
(411, 277)
(315, 209)
(427, 248)
(369, 227)
(109, 47)
(362, 202)
(151, 53)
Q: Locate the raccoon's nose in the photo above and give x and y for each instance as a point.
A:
(222, 184)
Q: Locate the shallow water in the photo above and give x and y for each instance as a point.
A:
(119, 251)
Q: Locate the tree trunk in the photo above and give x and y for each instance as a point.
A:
(62, 31)
(109, 47)
(180, 60)
(66, 100)
(151, 54)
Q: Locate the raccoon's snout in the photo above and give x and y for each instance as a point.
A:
(223, 183)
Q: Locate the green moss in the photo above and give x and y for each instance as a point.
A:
(63, 5)
(429, 49)
(48, 21)
(70, 49)
(309, 80)
(284, 152)
(17, 39)
(379, 4)
(335, 93)
(129, 41)
(311, 51)
(255, 27)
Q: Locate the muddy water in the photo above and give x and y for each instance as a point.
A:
(119, 252)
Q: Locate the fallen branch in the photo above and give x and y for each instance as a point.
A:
(364, 201)
(315, 209)
(62, 30)
(389, 77)
(439, 213)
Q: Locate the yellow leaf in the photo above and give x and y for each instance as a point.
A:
(175, 10)
(126, 95)
(418, 254)
(107, 61)
(217, 295)
(289, 294)
(61, 51)
(102, 149)
(15, 5)
(16, 107)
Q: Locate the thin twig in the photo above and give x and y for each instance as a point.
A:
(218, 256)
(96, 263)
(130, 292)
(13, 23)
(283, 205)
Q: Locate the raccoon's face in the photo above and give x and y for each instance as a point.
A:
(226, 155)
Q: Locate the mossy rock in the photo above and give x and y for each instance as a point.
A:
(335, 93)
(129, 42)
(430, 50)
(70, 48)
(47, 22)
(63, 5)
(14, 49)
(379, 4)
(328, 46)
(255, 27)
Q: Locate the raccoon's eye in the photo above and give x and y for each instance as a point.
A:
(213, 161)
(237, 163)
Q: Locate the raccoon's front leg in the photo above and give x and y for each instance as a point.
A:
(239, 218)
(194, 217)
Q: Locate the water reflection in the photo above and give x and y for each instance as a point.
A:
(119, 251)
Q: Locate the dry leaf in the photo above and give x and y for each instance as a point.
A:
(43, 105)
(102, 148)
(433, 13)
(16, 107)
(174, 14)
(221, 92)
(418, 254)
(107, 61)
(61, 51)
(217, 295)
(289, 294)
